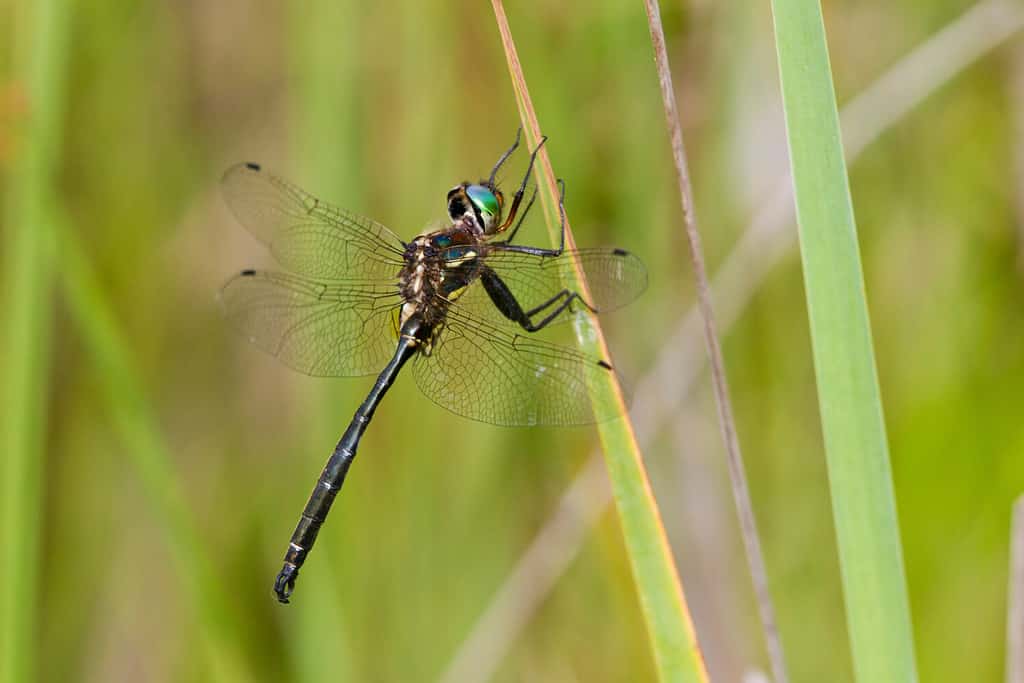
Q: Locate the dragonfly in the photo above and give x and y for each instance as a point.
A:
(463, 301)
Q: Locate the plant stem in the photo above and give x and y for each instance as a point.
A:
(726, 420)
(41, 42)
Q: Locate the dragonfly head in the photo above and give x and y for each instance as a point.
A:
(480, 203)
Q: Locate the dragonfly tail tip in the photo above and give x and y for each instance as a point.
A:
(284, 584)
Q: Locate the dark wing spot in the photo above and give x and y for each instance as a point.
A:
(604, 365)
(620, 252)
(248, 272)
(251, 166)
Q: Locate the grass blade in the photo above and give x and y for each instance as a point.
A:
(863, 502)
(41, 42)
(677, 654)
(147, 453)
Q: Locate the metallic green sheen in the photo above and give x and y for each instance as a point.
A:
(484, 199)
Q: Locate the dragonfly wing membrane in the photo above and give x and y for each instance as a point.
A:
(494, 375)
(309, 236)
(317, 328)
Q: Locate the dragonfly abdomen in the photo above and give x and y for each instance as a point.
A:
(413, 334)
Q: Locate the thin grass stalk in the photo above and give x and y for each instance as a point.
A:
(40, 36)
(148, 454)
(677, 655)
(1015, 598)
(867, 116)
(726, 420)
(863, 502)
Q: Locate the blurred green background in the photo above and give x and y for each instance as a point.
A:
(175, 458)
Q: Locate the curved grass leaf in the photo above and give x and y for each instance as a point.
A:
(677, 654)
(863, 503)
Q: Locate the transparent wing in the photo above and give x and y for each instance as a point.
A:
(615, 277)
(490, 374)
(320, 329)
(308, 236)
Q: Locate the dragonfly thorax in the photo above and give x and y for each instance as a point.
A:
(439, 266)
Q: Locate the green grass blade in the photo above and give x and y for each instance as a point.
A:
(670, 628)
(146, 451)
(41, 42)
(863, 503)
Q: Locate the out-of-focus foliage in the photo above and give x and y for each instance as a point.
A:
(381, 108)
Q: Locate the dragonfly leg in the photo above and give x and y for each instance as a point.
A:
(570, 296)
(540, 251)
(506, 302)
(522, 217)
(504, 157)
(518, 198)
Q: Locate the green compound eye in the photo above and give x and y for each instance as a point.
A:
(483, 199)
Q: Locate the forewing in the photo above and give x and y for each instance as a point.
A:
(487, 373)
(308, 236)
(615, 277)
(316, 328)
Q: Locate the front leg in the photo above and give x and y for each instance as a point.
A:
(538, 251)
